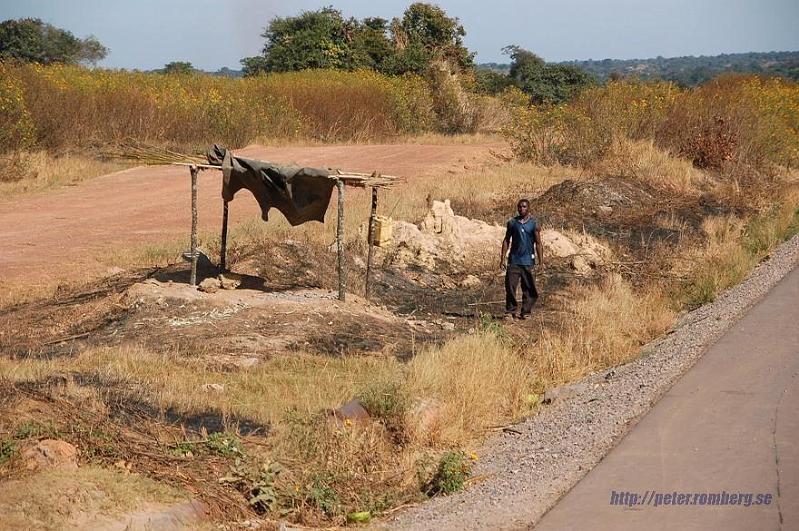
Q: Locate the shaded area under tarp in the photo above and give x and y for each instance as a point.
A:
(300, 194)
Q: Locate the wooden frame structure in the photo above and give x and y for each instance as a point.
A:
(361, 180)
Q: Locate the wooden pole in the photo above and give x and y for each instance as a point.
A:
(223, 246)
(194, 171)
(370, 239)
(340, 241)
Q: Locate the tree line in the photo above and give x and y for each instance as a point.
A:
(686, 71)
(423, 36)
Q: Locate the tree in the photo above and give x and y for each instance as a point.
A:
(178, 67)
(31, 40)
(488, 81)
(325, 39)
(253, 66)
(371, 45)
(91, 51)
(521, 60)
(424, 34)
(314, 39)
(545, 82)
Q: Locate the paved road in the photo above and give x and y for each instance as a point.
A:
(730, 424)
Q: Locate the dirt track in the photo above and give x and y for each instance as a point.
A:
(59, 233)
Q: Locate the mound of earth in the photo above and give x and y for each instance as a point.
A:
(635, 215)
(444, 240)
(578, 199)
(243, 326)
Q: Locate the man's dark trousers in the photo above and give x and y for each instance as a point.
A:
(513, 276)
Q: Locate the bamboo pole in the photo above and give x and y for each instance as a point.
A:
(340, 241)
(370, 240)
(194, 171)
(223, 246)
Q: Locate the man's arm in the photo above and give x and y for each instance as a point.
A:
(539, 247)
(505, 244)
(503, 254)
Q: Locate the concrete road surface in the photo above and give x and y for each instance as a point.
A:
(729, 427)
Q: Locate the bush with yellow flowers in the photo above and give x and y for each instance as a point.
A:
(66, 106)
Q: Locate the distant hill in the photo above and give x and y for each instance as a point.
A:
(688, 70)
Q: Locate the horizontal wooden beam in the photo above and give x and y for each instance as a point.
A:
(363, 180)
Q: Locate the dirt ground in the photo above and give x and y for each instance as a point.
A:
(56, 234)
(438, 279)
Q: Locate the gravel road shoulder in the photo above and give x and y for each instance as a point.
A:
(528, 471)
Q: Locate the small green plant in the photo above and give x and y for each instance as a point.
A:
(453, 470)
(224, 444)
(257, 483)
(487, 324)
(359, 517)
(7, 451)
(389, 401)
(184, 448)
(385, 399)
(323, 496)
(31, 428)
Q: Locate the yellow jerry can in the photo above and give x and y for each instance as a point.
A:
(383, 229)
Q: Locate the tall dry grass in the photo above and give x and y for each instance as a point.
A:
(68, 107)
(736, 126)
(33, 171)
(479, 381)
(305, 384)
(643, 160)
(604, 326)
(732, 247)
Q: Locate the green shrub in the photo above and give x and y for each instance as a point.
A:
(224, 444)
(8, 449)
(451, 475)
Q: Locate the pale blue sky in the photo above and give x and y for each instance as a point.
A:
(147, 34)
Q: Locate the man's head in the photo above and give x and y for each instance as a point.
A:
(523, 207)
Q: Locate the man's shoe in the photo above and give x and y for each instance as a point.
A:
(524, 316)
(508, 317)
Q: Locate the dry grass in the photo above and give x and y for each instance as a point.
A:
(13, 293)
(27, 172)
(60, 499)
(741, 127)
(479, 380)
(73, 107)
(305, 384)
(603, 326)
(642, 159)
(733, 247)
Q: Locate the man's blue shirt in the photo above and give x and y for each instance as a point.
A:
(522, 241)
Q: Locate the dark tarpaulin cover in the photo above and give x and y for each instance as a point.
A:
(300, 194)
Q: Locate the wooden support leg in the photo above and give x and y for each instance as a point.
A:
(370, 240)
(340, 241)
(223, 246)
(194, 172)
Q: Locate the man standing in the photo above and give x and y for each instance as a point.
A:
(523, 236)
